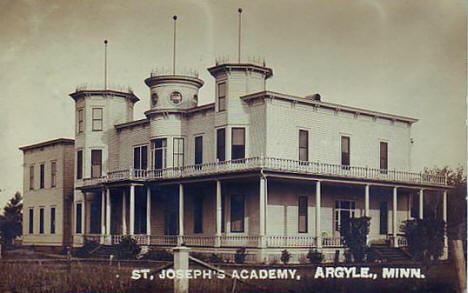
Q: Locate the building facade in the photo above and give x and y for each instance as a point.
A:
(48, 192)
(255, 169)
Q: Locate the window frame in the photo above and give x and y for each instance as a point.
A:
(53, 173)
(306, 215)
(79, 164)
(31, 177)
(142, 160)
(383, 159)
(198, 150)
(80, 124)
(79, 218)
(179, 153)
(306, 147)
(31, 221)
(53, 219)
(337, 214)
(221, 99)
(346, 160)
(41, 220)
(162, 149)
(42, 176)
(94, 119)
(221, 145)
(99, 151)
(233, 146)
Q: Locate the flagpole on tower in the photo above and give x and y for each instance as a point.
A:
(239, 43)
(174, 49)
(105, 64)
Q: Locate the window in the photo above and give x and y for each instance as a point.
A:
(303, 145)
(78, 218)
(237, 213)
(238, 143)
(383, 157)
(97, 119)
(41, 221)
(53, 174)
(221, 144)
(344, 210)
(140, 157)
(159, 153)
(383, 229)
(198, 150)
(80, 120)
(31, 221)
(221, 97)
(303, 214)
(178, 152)
(31, 177)
(52, 220)
(345, 151)
(79, 164)
(41, 176)
(96, 163)
(198, 215)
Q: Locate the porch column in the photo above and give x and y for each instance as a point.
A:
(262, 205)
(421, 203)
(148, 210)
(103, 211)
(108, 212)
(394, 217)
(444, 215)
(318, 200)
(132, 209)
(124, 211)
(181, 215)
(366, 201)
(218, 214)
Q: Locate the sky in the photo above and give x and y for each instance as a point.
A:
(396, 56)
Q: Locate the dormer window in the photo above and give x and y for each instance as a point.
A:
(154, 99)
(221, 97)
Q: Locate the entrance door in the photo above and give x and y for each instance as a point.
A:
(344, 210)
(383, 218)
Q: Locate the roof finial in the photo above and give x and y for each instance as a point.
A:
(174, 50)
(105, 64)
(239, 44)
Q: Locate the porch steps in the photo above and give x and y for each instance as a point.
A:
(390, 254)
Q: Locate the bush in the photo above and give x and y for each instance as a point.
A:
(239, 257)
(158, 254)
(84, 251)
(285, 256)
(214, 258)
(315, 256)
(128, 248)
(354, 232)
(425, 238)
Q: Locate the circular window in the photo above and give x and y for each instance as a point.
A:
(176, 97)
(154, 99)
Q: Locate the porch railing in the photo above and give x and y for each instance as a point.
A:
(290, 241)
(274, 164)
(240, 241)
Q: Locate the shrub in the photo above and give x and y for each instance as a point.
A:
(128, 248)
(239, 257)
(84, 251)
(158, 254)
(315, 256)
(214, 258)
(425, 238)
(285, 256)
(354, 232)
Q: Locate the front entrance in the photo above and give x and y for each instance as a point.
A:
(383, 207)
(344, 210)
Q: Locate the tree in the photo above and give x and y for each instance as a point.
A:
(11, 220)
(456, 201)
(425, 238)
(354, 232)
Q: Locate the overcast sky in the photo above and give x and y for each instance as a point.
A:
(400, 57)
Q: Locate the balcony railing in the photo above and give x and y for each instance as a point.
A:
(273, 164)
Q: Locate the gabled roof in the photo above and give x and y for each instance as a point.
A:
(337, 107)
